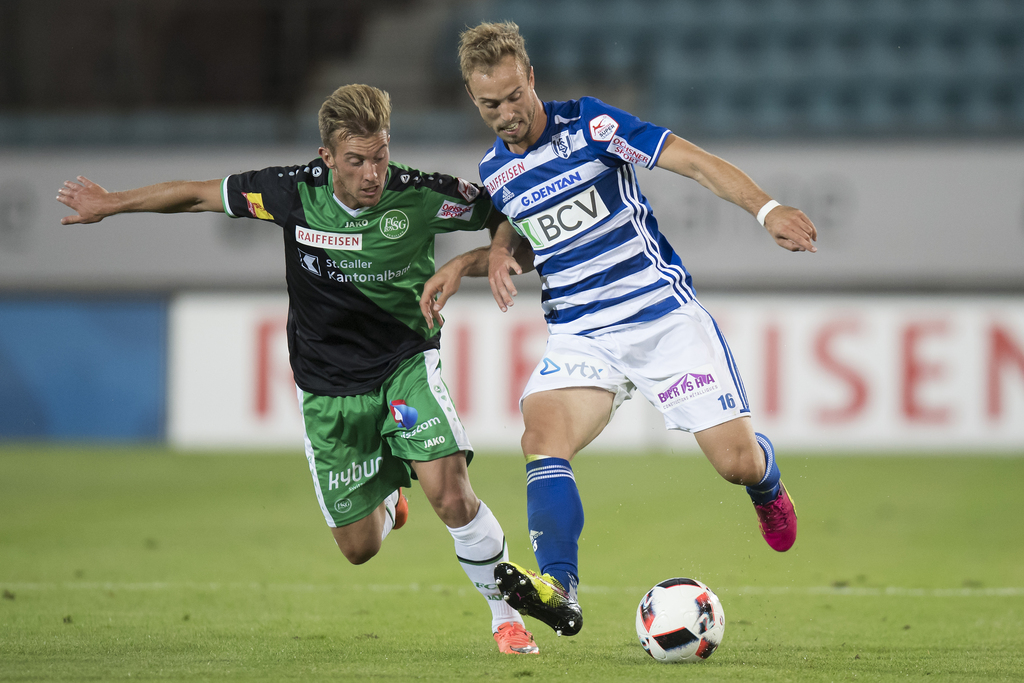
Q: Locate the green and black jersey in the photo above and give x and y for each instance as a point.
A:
(354, 282)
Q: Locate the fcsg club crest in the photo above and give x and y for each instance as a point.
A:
(562, 144)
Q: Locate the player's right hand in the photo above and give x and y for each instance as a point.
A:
(500, 267)
(86, 198)
(437, 290)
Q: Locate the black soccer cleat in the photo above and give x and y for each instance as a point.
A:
(540, 597)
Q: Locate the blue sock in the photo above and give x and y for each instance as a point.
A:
(768, 488)
(555, 515)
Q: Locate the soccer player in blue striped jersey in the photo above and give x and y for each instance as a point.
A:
(620, 306)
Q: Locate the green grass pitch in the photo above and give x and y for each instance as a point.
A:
(143, 564)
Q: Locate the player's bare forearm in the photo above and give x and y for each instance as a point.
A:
(473, 263)
(93, 203)
(523, 254)
(716, 174)
(788, 226)
(503, 263)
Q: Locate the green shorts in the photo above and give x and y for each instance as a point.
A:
(359, 447)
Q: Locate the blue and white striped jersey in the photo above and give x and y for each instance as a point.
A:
(574, 196)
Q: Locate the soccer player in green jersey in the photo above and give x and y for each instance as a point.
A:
(359, 245)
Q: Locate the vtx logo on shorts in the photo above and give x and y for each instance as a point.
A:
(581, 369)
(550, 367)
(403, 414)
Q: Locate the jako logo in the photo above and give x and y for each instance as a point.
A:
(403, 414)
(435, 442)
(394, 224)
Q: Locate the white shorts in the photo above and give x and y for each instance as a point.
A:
(680, 362)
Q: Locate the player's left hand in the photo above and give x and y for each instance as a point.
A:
(791, 229)
(437, 290)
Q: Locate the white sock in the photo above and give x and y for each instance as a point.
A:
(480, 546)
(389, 514)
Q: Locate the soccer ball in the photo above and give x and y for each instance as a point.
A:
(680, 620)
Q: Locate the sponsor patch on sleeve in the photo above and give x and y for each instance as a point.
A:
(255, 202)
(603, 127)
(625, 151)
(468, 190)
(453, 210)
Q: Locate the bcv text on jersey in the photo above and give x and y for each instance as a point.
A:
(562, 221)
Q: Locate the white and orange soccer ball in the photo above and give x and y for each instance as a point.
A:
(680, 620)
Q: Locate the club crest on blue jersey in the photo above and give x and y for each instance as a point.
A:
(562, 144)
(403, 414)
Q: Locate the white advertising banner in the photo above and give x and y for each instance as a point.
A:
(913, 215)
(822, 373)
(229, 381)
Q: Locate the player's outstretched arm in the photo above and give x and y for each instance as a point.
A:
(92, 203)
(788, 226)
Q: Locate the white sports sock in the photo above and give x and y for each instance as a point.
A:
(480, 546)
(389, 514)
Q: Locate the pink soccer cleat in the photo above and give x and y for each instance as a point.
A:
(778, 521)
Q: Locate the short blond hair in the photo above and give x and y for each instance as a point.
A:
(354, 111)
(481, 48)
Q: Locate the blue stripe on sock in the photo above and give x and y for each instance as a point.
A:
(768, 488)
(769, 458)
(555, 514)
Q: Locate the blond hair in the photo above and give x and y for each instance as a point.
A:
(354, 111)
(482, 47)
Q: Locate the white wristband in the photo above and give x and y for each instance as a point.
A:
(763, 213)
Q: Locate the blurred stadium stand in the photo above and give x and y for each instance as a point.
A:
(789, 68)
(198, 71)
